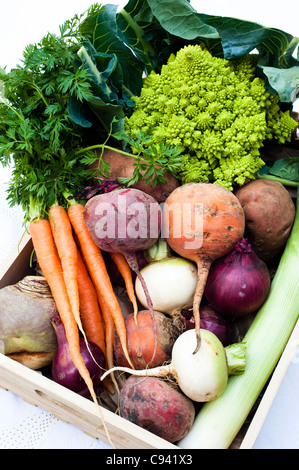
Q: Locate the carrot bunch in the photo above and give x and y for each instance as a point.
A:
(77, 276)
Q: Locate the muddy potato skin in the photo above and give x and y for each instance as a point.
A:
(157, 406)
(269, 215)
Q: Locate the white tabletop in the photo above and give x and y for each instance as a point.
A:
(23, 426)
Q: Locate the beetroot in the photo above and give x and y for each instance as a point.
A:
(125, 220)
(157, 406)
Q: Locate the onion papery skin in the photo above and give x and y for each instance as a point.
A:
(64, 370)
(238, 283)
(209, 320)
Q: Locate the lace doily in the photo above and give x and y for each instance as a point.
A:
(24, 426)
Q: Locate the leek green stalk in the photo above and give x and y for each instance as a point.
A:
(219, 421)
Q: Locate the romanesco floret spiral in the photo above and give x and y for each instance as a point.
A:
(216, 110)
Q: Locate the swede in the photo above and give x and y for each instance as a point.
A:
(26, 332)
(123, 166)
(202, 222)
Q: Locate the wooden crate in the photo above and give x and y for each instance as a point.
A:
(66, 405)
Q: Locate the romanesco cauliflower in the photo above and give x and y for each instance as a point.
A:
(216, 110)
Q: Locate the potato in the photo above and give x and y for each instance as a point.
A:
(123, 166)
(157, 406)
(269, 216)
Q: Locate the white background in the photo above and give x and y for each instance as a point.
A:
(23, 22)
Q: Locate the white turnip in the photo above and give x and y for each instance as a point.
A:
(171, 280)
(202, 376)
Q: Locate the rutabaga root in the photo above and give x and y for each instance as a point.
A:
(204, 221)
(26, 333)
(203, 271)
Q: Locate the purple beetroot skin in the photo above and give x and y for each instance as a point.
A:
(123, 220)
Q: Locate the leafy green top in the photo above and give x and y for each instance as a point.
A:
(36, 131)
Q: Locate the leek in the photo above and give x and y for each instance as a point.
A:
(219, 421)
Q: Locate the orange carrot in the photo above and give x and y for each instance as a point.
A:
(90, 312)
(91, 316)
(44, 246)
(67, 251)
(126, 273)
(109, 329)
(98, 272)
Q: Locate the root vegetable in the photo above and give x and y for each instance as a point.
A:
(202, 376)
(269, 216)
(238, 283)
(202, 222)
(141, 340)
(124, 221)
(95, 264)
(26, 309)
(157, 406)
(170, 280)
(122, 166)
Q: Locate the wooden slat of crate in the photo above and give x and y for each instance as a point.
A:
(70, 407)
(271, 390)
(17, 263)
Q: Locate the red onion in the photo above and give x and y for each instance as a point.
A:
(238, 283)
(209, 320)
(64, 371)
